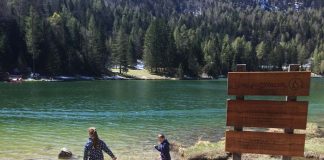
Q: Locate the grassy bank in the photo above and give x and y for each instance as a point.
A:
(142, 75)
(204, 150)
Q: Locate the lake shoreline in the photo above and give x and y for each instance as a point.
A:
(122, 77)
(125, 79)
(171, 79)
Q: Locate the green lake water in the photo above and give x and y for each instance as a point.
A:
(38, 119)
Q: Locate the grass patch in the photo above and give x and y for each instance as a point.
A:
(315, 139)
(204, 150)
(315, 145)
(141, 74)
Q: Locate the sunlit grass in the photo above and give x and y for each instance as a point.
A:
(141, 74)
(205, 149)
(209, 150)
(315, 145)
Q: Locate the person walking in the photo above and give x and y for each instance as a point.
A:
(94, 147)
(163, 147)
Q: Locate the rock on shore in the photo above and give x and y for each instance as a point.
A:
(65, 154)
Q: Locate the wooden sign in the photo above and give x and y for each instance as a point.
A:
(288, 115)
(265, 143)
(267, 114)
(269, 83)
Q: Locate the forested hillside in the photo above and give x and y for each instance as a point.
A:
(173, 37)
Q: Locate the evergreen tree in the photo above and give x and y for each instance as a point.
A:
(318, 57)
(242, 51)
(226, 55)
(53, 64)
(97, 54)
(78, 35)
(212, 58)
(322, 67)
(171, 50)
(261, 52)
(131, 53)
(3, 8)
(2, 49)
(120, 51)
(34, 37)
(150, 47)
(159, 47)
(302, 54)
(137, 40)
(193, 66)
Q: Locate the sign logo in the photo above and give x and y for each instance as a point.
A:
(295, 84)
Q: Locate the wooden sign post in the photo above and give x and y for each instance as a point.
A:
(239, 128)
(293, 67)
(288, 115)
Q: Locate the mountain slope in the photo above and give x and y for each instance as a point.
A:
(192, 37)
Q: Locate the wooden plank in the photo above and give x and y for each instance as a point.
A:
(239, 68)
(292, 67)
(267, 114)
(269, 83)
(265, 143)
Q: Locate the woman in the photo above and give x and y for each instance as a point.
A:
(93, 149)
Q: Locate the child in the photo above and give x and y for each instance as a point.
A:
(164, 147)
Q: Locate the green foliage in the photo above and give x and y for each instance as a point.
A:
(318, 58)
(90, 37)
(226, 55)
(151, 46)
(212, 57)
(2, 43)
(2, 48)
(302, 54)
(34, 36)
(322, 66)
(159, 46)
(242, 52)
(55, 19)
(120, 51)
(96, 52)
(261, 51)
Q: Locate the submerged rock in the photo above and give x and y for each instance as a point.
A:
(65, 154)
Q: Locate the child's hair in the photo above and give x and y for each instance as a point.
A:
(161, 136)
(94, 136)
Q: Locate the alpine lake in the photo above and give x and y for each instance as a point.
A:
(37, 119)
